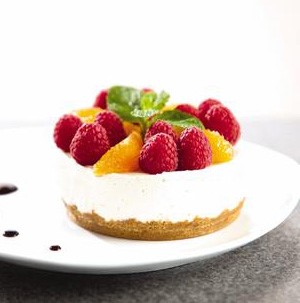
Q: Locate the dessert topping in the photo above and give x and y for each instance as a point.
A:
(113, 126)
(189, 109)
(194, 149)
(205, 106)
(144, 108)
(101, 99)
(221, 119)
(159, 154)
(123, 157)
(122, 119)
(160, 126)
(87, 115)
(222, 150)
(65, 130)
(89, 144)
(130, 127)
(178, 119)
(147, 90)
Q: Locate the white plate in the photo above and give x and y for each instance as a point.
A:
(37, 213)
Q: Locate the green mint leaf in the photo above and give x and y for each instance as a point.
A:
(141, 113)
(151, 100)
(123, 100)
(178, 118)
(147, 100)
(135, 105)
(161, 100)
(142, 117)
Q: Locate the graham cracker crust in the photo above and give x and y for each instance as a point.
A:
(153, 230)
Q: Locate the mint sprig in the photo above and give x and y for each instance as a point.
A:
(136, 106)
(123, 100)
(151, 100)
(178, 118)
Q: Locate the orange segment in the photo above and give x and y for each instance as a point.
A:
(178, 130)
(130, 127)
(169, 107)
(87, 115)
(222, 150)
(121, 158)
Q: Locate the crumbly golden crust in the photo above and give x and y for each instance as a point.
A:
(153, 230)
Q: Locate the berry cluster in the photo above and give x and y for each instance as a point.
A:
(215, 116)
(193, 149)
(100, 137)
(88, 142)
(160, 152)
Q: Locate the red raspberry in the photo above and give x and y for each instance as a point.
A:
(221, 119)
(159, 154)
(189, 109)
(101, 99)
(113, 126)
(160, 127)
(194, 151)
(89, 144)
(64, 131)
(205, 106)
(147, 90)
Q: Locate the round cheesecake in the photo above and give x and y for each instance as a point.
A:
(166, 206)
(134, 167)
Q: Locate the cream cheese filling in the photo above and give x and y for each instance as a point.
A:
(171, 196)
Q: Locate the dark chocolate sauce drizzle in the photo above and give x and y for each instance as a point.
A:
(10, 233)
(55, 247)
(6, 188)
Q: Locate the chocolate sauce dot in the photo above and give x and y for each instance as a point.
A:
(6, 188)
(10, 233)
(55, 247)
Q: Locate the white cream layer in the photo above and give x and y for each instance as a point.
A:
(172, 196)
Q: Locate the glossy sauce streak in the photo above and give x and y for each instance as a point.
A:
(10, 233)
(6, 188)
(55, 247)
